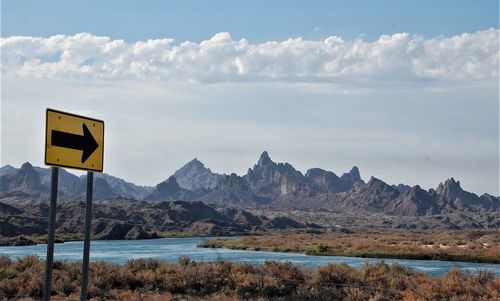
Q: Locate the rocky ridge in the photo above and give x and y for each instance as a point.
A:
(267, 183)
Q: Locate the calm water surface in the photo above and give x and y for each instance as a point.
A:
(170, 249)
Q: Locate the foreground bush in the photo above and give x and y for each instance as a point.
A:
(146, 279)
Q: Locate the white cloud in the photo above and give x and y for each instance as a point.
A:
(391, 58)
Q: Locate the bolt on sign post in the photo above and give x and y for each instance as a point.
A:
(72, 141)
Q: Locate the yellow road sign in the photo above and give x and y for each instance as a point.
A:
(74, 141)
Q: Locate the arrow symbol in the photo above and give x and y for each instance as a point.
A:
(85, 143)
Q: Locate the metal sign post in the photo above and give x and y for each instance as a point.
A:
(76, 142)
(86, 241)
(50, 239)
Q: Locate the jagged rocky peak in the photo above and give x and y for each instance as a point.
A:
(264, 159)
(317, 172)
(27, 166)
(195, 164)
(28, 173)
(380, 185)
(233, 182)
(403, 187)
(195, 176)
(266, 172)
(353, 176)
(449, 185)
(325, 181)
(450, 188)
(414, 201)
(375, 182)
(415, 189)
(25, 179)
(266, 164)
(416, 192)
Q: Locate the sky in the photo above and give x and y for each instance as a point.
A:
(406, 91)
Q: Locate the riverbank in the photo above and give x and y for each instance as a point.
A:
(466, 246)
(225, 280)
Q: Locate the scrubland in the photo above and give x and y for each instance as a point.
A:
(146, 279)
(463, 245)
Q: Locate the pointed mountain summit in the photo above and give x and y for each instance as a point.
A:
(195, 176)
(451, 197)
(414, 201)
(25, 179)
(274, 179)
(264, 159)
(352, 177)
(373, 196)
(450, 188)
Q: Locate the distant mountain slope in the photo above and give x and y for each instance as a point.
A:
(195, 176)
(7, 170)
(169, 190)
(25, 179)
(37, 181)
(125, 189)
(66, 180)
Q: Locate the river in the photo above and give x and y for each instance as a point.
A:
(170, 249)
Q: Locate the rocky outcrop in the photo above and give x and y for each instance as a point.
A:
(234, 190)
(320, 180)
(169, 190)
(373, 196)
(283, 222)
(352, 177)
(402, 187)
(274, 180)
(16, 241)
(415, 201)
(134, 220)
(451, 197)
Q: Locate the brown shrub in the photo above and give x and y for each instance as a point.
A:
(146, 279)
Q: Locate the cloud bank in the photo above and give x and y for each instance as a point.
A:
(392, 58)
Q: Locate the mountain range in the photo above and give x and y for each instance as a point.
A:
(266, 184)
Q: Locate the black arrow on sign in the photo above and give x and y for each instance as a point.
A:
(85, 143)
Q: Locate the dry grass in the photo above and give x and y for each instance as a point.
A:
(145, 279)
(471, 246)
